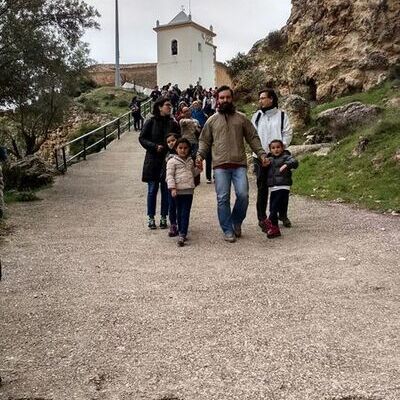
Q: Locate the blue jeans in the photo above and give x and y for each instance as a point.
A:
(223, 180)
(152, 190)
(183, 206)
(171, 209)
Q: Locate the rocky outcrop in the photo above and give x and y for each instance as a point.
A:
(299, 111)
(77, 118)
(331, 48)
(320, 149)
(29, 173)
(339, 120)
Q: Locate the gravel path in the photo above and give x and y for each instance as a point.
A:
(95, 306)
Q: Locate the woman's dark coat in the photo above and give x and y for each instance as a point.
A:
(153, 134)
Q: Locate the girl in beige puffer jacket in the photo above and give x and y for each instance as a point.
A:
(180, 180)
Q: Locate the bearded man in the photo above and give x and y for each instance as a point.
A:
(224, 133)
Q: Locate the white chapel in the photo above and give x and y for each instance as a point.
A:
(185, 53)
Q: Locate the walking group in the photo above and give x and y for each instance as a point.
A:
(178, 138)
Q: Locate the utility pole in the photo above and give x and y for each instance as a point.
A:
(117, 71)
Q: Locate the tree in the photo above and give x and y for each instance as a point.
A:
(42, 58)
(238, 64)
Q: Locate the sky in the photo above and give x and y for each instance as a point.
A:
(237, 23)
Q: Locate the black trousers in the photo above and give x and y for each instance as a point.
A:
(278, 205)
(138, 122)
(209, 166)
(262, 189)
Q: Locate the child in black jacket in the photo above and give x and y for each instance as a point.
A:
(279, 178)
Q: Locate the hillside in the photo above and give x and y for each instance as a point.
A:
(327, 49)
(364, 166)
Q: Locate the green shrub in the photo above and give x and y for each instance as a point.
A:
(109, 96)
(123, 104)
(26, 196)
(239, 63)
(76, 147)
(12, 196)
(276, 40)
(91, 105)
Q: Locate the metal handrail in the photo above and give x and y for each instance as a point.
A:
(121, 128)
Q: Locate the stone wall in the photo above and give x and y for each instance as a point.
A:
(141, 74)
(222, 76)
(144, 74)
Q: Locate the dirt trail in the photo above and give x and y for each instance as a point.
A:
(95, 306)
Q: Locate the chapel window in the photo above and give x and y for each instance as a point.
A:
(174, 47)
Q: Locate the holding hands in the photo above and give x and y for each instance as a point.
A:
(265, 161)
(199, 163)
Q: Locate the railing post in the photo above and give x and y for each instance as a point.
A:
(105, 137)
(84, 147)
(64, 159)
(129, 122)
(56, 157)
(118, 128)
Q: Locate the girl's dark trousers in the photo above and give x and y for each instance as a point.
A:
(171, 209)
(183, 206)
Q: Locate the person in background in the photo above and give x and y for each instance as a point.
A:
(199, 115)
(155, 94)
(179, 113)
(190, 129)
(136, 109)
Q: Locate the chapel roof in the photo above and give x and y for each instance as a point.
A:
(183, 19)
(180, 18)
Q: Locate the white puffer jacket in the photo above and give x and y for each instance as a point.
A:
(181, 173)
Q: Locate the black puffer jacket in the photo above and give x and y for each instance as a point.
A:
(152, 135)
(275, 177)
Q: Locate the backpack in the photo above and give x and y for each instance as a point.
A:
(282, 119)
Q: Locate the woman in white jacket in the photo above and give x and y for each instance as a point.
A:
(271, 124)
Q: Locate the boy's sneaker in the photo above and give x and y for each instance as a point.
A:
(181, 241)
(286, 222)
(237, 230)
(209, 181)
(273, 232)
(173, 231)
(152, 223)
(229, 237)
(163, 223)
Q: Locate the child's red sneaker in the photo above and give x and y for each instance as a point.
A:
(273, 231)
